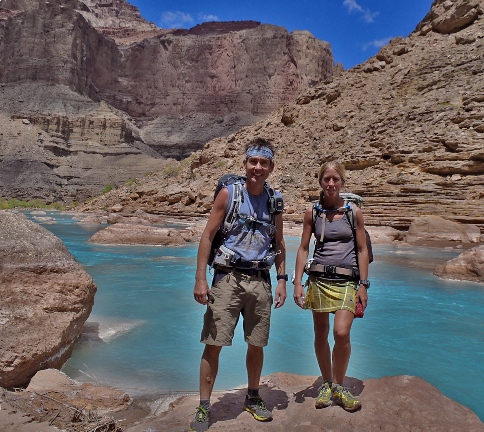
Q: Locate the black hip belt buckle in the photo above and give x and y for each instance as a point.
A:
(329, 269)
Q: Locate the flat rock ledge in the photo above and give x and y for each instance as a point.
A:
(46, 297)
(138, 234)
(390, 404)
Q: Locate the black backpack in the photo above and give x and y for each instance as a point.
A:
(276, 206)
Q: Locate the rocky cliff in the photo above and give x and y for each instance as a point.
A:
(408, 124)
(107, 93)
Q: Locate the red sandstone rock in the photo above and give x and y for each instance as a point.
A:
(45, 298)
(123, 233)
(385, 235)
(430, 230)
(81, 395)
(397, 404)
(469, 265)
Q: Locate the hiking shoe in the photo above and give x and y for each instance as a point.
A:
(325, 396)
(256, 406)
(202, 418)
(342, 396)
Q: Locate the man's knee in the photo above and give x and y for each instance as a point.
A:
(255, 352)
(211, 351)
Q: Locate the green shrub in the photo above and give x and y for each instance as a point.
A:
(57, 206)
(107, 189)
(12, 203)
(172, 170)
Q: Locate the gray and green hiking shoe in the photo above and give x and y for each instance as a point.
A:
(256, 406)
(343, 397)
(325, 396)
(202, 419)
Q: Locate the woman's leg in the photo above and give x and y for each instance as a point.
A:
(342, 344)
(341, 357)
(321, 345)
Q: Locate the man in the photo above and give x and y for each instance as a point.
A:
(241, 283)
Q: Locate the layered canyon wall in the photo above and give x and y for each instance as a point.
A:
(109, 96)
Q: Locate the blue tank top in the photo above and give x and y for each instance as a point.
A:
(251, 235)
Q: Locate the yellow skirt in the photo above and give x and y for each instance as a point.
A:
(325, 295)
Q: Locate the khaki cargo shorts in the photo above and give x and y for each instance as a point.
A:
(235, 294)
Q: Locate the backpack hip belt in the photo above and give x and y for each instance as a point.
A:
(248, 272)
(226, 257)
(329, 270)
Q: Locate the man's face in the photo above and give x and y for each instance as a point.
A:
(258, 168)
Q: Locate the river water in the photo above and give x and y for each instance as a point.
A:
(144, 330)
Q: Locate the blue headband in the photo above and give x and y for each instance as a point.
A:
(262, 151)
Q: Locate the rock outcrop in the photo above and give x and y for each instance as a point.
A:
(105, 94)
(433, 230)
(45, 295)
(137, 234)
(407, 123)
(469, 266)
(397, 404)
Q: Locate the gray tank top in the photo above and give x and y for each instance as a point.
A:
(338, 247)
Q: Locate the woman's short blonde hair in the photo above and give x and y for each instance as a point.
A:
(338, 166)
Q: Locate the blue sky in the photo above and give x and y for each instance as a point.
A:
(356, 29)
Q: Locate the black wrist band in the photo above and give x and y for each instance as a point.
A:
(282, 276)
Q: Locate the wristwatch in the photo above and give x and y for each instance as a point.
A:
(283, 276)
(365, 282)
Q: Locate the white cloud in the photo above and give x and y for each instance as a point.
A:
(353, 6)
(176, 19)
(207, 17)
(378, 43)
(369, 16)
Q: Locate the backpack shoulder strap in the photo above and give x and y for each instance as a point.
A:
(270, 192)
(234, 208)
(319, 212)
(351, 213)
(276, 203)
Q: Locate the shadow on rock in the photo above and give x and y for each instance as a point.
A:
(354, 385)
(231, 405)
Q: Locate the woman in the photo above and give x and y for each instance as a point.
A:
(333, 284)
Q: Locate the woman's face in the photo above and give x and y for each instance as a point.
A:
(331, 182)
